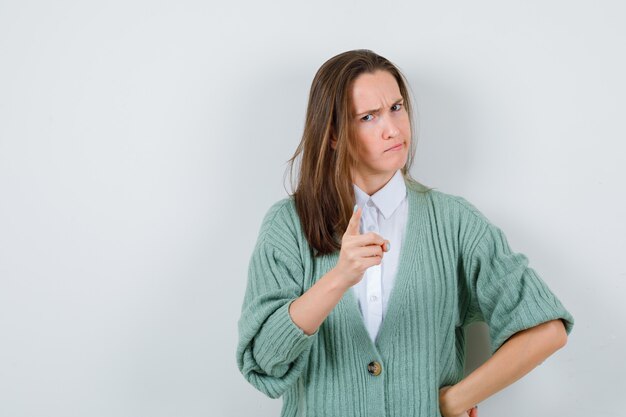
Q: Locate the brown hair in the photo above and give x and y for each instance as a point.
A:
(324, 196)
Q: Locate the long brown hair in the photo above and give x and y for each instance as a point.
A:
(324, 195)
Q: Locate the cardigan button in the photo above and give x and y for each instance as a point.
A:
(374, 368)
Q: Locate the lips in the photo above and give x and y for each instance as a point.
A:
(397, 146)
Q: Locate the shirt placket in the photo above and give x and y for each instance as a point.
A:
(374, 277)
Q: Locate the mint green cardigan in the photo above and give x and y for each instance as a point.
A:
(455, 268)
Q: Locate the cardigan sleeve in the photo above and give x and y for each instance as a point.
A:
(272, 350)
(505, 292)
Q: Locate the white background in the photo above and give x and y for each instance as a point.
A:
(142, 142)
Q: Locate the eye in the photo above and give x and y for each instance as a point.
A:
(365, 117)
(398, 105)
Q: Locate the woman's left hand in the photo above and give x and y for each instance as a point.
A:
(443, 406)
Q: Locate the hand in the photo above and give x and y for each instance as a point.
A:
(444, 406)
(358, 251)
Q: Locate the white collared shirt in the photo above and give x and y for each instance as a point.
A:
(384, 213)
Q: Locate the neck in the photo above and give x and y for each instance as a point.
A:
(371, 183)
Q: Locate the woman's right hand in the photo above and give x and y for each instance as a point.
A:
(358, 251)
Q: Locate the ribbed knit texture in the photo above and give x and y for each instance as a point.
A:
(455, 268)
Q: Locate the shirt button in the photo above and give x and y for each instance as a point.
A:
(370, 203)
(374, 368)
(370, 228)
(373, 298)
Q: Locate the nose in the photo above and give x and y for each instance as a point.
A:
(391, 130)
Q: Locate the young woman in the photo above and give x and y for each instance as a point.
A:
(360, 309)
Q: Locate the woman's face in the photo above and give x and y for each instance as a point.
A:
(381, 124)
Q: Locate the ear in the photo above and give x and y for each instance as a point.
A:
(333, 138)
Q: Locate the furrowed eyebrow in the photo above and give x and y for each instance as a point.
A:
(378, 109)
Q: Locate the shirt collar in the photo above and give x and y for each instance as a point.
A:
(388, 198)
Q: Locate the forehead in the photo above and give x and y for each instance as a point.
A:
(370, 90)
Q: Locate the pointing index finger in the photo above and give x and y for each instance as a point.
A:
(353, 226)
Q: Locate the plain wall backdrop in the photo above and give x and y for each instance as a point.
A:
(142, 142)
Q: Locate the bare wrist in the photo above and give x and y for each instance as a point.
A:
(337, 281)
